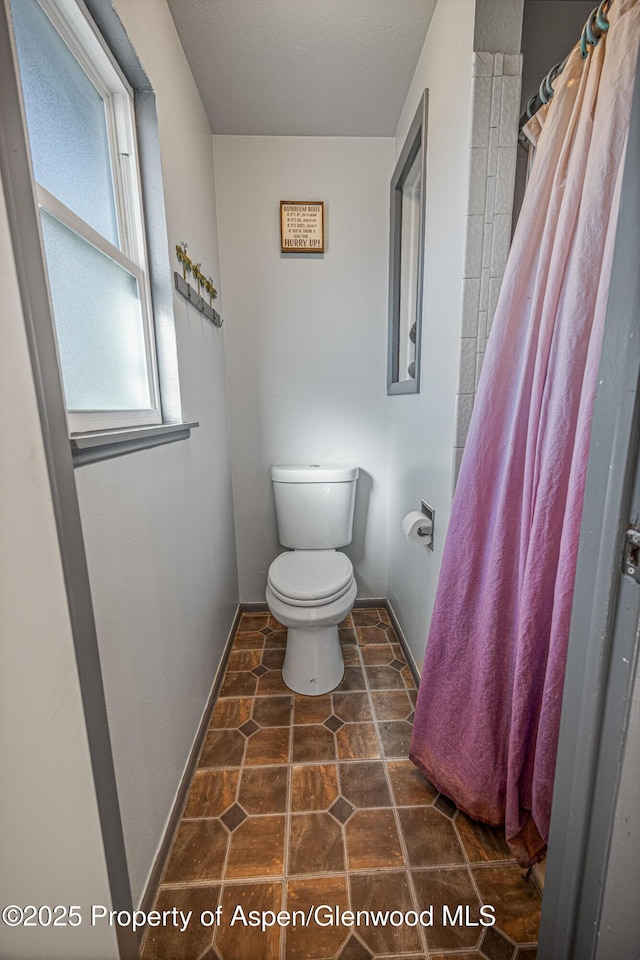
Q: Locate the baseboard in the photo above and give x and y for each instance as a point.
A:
(259, 606)
(411, 663)
(151, 889)
(538, 871)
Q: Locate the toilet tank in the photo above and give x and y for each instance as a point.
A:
(314, 505)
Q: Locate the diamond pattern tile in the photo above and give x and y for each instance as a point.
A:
(249, 727)
(299, 801)
(233, 817)
(334, 723)
(341, 810)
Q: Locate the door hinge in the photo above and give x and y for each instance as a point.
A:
(631, 561)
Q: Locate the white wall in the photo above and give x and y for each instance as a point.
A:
(306, 335)
(158, 524)
(50, 834)
(422, 426)
(498, 26)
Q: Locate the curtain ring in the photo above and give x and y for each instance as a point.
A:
(542, 92)
(591, 37)
(551, 76)
(583, 43)
(601, 20)
(529, 108)
(547, 86)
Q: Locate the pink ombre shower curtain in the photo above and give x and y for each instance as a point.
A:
(488, 711)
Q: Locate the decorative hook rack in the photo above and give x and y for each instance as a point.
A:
(194, 297)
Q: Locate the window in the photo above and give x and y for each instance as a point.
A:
(80, 122)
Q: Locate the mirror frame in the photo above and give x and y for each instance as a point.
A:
(415, 142)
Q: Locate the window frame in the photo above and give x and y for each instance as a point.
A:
(84, 41)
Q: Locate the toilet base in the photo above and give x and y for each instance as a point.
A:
(313, 662)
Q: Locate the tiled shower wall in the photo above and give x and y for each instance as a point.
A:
(494, 143)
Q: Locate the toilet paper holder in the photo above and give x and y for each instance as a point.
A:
(417, 526)
(430, 514)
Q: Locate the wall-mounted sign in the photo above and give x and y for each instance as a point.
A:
(302, 226)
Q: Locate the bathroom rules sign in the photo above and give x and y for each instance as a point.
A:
(302, 226)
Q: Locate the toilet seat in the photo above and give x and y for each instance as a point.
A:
(310, 578)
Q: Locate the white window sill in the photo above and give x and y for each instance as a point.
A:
(105, 444)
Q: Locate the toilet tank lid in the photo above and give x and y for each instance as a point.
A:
(314, 473)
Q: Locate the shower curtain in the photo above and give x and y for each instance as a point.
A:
(488, 711)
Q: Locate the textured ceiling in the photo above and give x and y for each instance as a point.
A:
(303, 67)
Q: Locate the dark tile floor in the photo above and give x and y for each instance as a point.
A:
(300, 801)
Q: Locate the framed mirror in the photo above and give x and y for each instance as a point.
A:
(406, 257)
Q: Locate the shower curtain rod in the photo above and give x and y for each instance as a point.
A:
(596, 26)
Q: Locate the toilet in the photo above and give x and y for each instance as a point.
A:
(311, 587)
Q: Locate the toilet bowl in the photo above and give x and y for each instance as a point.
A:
(310, 592)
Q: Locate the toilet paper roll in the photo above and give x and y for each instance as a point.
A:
(417, 527)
